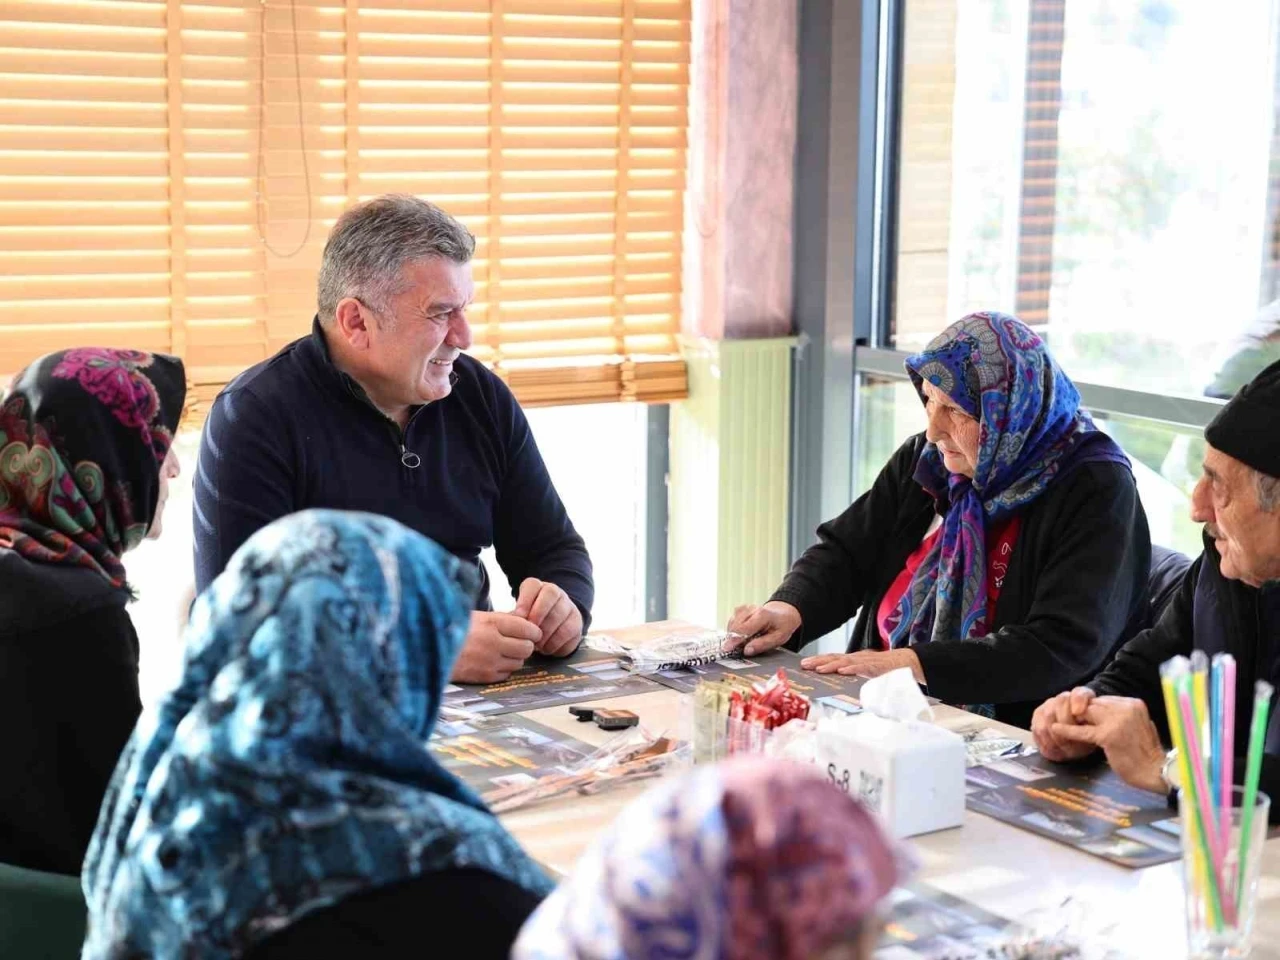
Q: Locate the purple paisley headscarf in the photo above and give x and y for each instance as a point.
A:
(83, 435)
(1031, 430)
(753, 859)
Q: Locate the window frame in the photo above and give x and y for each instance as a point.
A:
(850, 113)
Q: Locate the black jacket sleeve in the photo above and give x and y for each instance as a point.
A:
(244, 480)
(482, 911)
(1135, 672)
(832, 578)
(68, 701)
(1268, 783)
(1088, 585)
(533, 535)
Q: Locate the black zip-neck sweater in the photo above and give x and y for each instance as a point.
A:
(295, 432)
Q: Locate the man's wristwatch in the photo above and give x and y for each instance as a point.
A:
(1169, 772)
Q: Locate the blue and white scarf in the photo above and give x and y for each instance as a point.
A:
(1031, 429)
(289, 768)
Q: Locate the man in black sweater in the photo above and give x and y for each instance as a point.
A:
(380, 410)
(1228, 602)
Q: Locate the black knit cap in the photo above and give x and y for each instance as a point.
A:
(1248, 428)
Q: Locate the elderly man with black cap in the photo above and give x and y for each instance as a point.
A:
(1228, 602)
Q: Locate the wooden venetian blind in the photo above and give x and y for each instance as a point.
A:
(169, 172)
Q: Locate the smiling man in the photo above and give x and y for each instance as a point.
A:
(380, 410)
(1228, 602)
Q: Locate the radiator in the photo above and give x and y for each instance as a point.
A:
(730, 464)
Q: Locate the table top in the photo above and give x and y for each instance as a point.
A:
(1010, 872)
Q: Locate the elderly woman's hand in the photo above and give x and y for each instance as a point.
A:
(866, 663)
(765, 627)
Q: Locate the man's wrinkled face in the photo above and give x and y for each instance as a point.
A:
(1247, 536)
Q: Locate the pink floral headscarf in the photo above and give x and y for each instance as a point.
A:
(83, 436)
(755, 859)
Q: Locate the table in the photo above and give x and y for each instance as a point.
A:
(1010, 872)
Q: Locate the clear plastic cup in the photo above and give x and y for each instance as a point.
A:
(1214, 934)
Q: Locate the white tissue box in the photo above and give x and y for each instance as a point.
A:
(910, 773)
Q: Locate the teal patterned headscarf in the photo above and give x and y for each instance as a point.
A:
(289, 768)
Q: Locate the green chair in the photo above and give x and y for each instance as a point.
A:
(42, 915)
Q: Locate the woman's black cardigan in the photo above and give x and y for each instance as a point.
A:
(1075, 590)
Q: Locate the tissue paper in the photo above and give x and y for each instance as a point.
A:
(895, 696)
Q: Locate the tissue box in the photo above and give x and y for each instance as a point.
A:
(910, 773)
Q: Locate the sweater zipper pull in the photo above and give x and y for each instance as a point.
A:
(409, 458)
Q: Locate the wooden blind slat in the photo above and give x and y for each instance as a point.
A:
(117, 16)
(107, 314)
(643, 10)
(101, 263)
(72, 239)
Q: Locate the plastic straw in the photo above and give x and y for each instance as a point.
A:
(1228, 742)
(1262, 692)
(1200, 704)
(1173, 673)
(1215, 748)
(1200, 696)
(1176, 671)
(1198, 793)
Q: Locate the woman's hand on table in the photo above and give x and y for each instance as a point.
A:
(765, 627)
(866, 663)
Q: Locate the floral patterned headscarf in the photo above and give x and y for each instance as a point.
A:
(753, 859)
(1031, 429)
(83, 435)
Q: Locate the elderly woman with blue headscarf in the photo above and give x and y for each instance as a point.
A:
(1002, 555)
(282, 801)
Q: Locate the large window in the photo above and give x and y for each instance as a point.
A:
(597, 458)
(169, 172)
(1109, 170)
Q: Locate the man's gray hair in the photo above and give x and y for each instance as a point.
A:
(372, 242)
(1268, 488)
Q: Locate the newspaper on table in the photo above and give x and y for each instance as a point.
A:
(543, 681)
(671, 651)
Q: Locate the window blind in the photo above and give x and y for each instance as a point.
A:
(169, 172)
